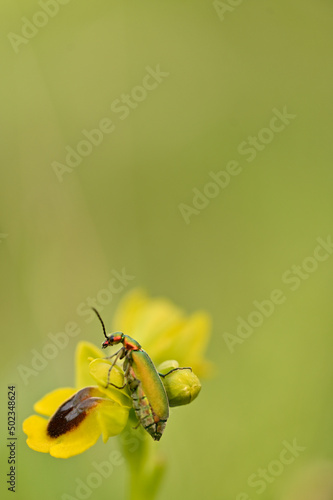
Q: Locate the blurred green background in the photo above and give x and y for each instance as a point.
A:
(119, 208)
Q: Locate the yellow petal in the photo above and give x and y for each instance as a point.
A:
(164, 331)
(35, 428)
(78, 441)
(112, 422)
(194, 338)
(156, 317)
(196, 334)
(99, 369)
(168, 343)
(143, 318)
(85, 351)
(49, 403)
(76, 425)
(128, 310)
(186, 342)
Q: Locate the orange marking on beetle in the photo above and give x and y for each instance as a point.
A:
(117, 338)
(130, 346)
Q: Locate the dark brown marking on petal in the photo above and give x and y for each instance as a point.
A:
(73, 411)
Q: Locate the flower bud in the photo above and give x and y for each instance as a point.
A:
(181, 384)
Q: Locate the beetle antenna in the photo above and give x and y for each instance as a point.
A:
(99, 317)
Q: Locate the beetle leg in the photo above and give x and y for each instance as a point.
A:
(121, 355)
(137, 426)
(112, 355)
(117, 356)
(117, 386)
(175, 369)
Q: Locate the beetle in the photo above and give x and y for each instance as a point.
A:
(150, 401)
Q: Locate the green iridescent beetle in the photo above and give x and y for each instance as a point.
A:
(150, 401)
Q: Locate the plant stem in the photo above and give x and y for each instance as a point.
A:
(146, 468)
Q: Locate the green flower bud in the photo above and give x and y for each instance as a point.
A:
(181, 384)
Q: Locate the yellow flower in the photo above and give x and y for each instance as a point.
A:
(79, 417)
(164, 331)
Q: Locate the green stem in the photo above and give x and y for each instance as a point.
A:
(146, 468)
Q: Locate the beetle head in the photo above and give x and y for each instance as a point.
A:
(113, 339)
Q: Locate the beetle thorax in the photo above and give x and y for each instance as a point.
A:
(131, 344)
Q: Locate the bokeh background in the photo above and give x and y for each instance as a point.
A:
(119, 208)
